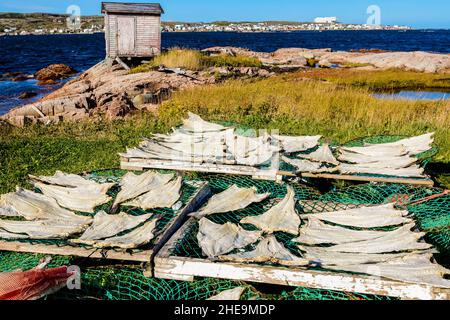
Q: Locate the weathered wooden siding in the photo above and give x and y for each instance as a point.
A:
(147, 35)
(112, 35)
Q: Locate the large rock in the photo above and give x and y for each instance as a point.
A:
(55, 72)
(105, 90)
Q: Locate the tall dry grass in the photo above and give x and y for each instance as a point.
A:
(312, 107)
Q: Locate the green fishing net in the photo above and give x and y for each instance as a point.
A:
(127, 282)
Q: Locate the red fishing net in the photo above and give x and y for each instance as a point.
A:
(33, 284)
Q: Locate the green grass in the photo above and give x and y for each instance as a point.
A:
(340, 110)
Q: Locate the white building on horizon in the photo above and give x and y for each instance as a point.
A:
(326, 20)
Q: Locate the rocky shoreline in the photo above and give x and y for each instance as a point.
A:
(109, 91)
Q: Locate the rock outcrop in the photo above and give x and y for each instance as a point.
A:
(55, 72)
(104, 90)
(300, 57)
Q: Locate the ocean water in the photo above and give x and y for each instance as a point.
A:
(28, 54)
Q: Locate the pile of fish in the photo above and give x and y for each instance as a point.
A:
(200, 142)
(346, 240)
(219, 241)
(59, 210)
(352, 245)
(390, 159)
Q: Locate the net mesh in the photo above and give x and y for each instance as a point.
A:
(127, 282)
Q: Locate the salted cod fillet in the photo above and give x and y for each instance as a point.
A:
(322, 155)
(133, 186)
(44, 229)
(411, 172)
(250, 151)
(196, 124)
(229, 295)
(308, 166)
(216, 240)
(232, 199)
(414, 145)
(366, 217)
(329, 258)
(67, 180)
(377, 150)
(402, 239)
(108, 225)
(162, 197)
(317, 232)
(268, 250)
(282, 217)
(134, 239)
(416, 268)
(297, 144)
(81, 199)
(384, 161)
(35, 206)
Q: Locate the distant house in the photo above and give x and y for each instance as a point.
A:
(132, 29)
(326, 20)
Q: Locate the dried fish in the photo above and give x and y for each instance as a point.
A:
(216, 240)
(322, 155)
(413, 268)
(366, 217)
(411, 172)
(44, 229)
(34, 206)
(382, 161)
(108, 225)
(133, 186)
(229, 295)
(317, 232)
(251, 151)
(377, 150)
(308, 166)
(134, 239)
(268, 250)
(69, 180)
(329, 258)
(81, 199)
(414, 145)
(297, 144)
(195, 123)
(12, 236)
(402, 239)
(164, 196)
(280, 218)
(232, 199)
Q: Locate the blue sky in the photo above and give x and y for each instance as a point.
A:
(416, 13)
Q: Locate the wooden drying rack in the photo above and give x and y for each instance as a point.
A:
(142, 256)
(270, 174)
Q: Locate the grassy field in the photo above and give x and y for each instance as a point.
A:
(305, 103)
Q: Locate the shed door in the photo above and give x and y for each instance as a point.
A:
(126, 34)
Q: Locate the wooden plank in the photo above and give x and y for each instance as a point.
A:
(420, 182)
(140, 164)
(178, 268)
(205, 168)
(143, 256)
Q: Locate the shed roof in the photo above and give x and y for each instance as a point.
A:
(136, 8)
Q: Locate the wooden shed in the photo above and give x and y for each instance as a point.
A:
(132, 29)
